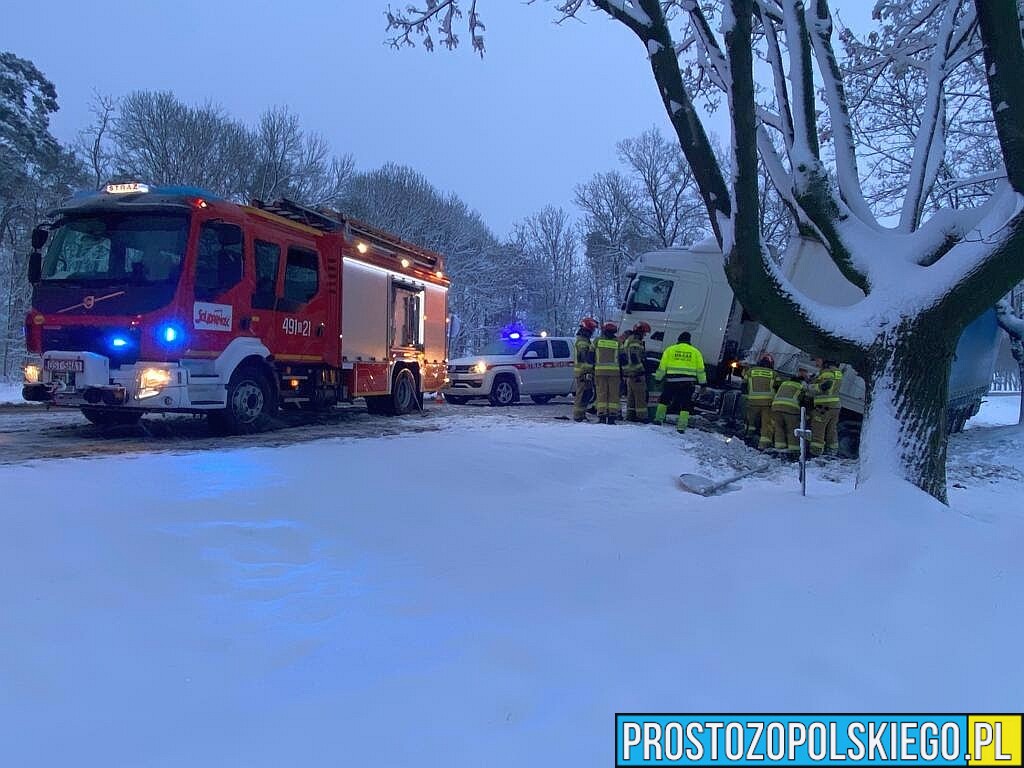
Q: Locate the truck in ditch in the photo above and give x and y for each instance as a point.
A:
(685, 289)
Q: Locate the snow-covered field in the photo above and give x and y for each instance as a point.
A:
(483, 595)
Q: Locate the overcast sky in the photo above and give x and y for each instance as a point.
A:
(509, 133)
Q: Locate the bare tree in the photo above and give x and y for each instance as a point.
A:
(548, 241)
(290, 162)
(609, 202)
(93, 142)
(668, 210)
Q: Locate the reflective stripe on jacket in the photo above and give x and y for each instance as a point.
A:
(583, 359)
(788, 397)
(606, 356)
(636, 352)
(682, 361)
(825, 388)
(760, 385)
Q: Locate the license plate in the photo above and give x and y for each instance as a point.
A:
(64, 365)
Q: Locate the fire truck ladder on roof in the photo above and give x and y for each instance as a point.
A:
(288, 209)
(326, 222)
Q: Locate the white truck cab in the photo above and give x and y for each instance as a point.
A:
(517, 365)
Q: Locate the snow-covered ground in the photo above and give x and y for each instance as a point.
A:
(484, 594)
(997, 410)
(10, 393)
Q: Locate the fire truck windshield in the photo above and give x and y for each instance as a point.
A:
(112, 248)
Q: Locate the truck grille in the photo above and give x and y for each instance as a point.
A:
(460, 369)
(87, 338)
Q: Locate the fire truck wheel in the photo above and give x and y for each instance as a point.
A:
(504, 391)
(541, 399)
(403, 393)
(252, 404)
(102, 418)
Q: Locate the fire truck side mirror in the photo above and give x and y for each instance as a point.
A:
(35, 267)
(39, 238)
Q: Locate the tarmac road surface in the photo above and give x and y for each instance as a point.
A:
(32, 432)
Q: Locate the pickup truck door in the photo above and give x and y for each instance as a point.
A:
(537, 371)
(562, 364)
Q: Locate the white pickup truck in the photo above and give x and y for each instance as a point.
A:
(512, 367)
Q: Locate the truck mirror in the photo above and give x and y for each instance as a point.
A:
(39, 238)
(35, 266)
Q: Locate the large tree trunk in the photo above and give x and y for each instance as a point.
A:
(907, 391)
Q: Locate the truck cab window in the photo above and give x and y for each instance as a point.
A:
(648, 294)
(268, 261)
(219, 260)
(301, 276)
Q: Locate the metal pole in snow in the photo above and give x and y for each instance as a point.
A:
(804, 434)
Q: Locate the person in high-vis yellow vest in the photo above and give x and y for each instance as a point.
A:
(825, 392)
(682, 369)
(583, 368)
(607, 374)
(635, 372)
(760, 383)
(789, 397)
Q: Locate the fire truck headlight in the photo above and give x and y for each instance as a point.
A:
(31, 372)
(152, 380)
(480, 367)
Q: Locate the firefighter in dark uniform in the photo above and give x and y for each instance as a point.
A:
(760, 383)
(583, 368)
(607, 374)
(635, 353)
(682, 368)
(825, 394)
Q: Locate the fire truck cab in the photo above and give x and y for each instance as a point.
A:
(152, 299)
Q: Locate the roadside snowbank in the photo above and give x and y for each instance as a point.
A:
(997, 410)
(10, 393)
(476, 595)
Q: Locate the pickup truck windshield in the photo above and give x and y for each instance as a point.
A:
(107, 249)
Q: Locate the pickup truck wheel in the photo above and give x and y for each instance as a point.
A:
(541, 399)
(456, 400)
(252, 404)
(504, 391)
(104, 418)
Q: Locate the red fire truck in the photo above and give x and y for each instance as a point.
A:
(156, 299)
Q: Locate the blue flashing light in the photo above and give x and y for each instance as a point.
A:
(514, 331)
(170, 334)
(119, 342)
